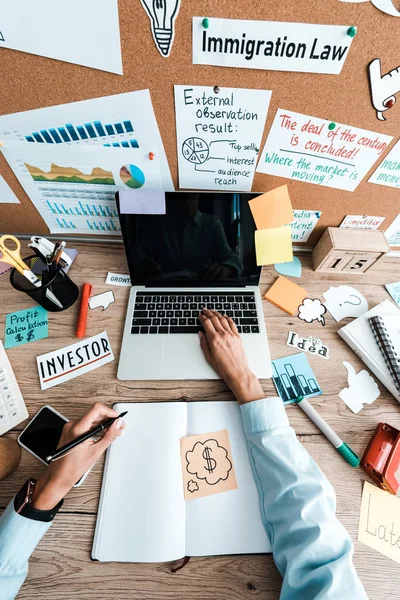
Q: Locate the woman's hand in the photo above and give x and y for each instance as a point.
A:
(223, 349)
(65, 472)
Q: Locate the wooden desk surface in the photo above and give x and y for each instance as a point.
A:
(61, 569)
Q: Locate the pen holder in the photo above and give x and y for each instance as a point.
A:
(63, 288)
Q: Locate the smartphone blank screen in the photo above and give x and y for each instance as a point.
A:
(43, 433)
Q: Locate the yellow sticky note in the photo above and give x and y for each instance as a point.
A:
(272, 209)
(379, 526)
(273, 245)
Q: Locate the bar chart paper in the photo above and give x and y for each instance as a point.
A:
(73, 188)
(83, 32)
(118, 121)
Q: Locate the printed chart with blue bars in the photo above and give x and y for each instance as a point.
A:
(91, 131)
(96, 209)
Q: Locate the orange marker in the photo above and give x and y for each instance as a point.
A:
(83, 310)
(151, 155)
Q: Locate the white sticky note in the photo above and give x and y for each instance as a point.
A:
(118, 279)
(320, 151)
(7, 196)
(361, 222)
(362, 389)
(379, 525)
(87, 35)
(303, 224)
(74, 360)
(388, 172)
(271, 45)
(218, 136)
(142, 202)
(393, 232)
(104, 300)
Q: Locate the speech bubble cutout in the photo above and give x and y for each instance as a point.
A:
(385, 6)
(345, 301)
(104, 300)
(362, 389)
(312, 310)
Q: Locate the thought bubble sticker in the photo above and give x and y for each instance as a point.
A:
(104, 299)
(207, 464)
(345, 301)
(312, 310)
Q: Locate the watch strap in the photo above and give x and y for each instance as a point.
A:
(23, 504)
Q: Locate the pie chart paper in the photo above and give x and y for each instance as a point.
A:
(132, 176)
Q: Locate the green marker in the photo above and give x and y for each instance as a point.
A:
(343, 449)
(206, 23)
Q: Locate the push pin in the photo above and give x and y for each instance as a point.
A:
(216, 89)
(206, 23)
(352, 31)
(331, 126)
(151, 155)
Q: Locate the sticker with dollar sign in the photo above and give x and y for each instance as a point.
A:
(207, 464)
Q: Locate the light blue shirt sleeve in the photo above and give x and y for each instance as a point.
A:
(311, 548)
(19, 537)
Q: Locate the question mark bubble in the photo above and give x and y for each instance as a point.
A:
(104, 300)
(345, 301)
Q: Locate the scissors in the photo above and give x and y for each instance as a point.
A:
(13, 258)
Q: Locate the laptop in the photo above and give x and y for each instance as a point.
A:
(200, 253)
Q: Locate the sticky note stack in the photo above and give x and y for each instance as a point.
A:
(272, 212)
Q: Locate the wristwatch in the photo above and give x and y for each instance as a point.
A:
(23, 504)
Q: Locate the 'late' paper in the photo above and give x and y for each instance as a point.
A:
(319, 151)
(69, 362)
(361, 222)
(273, 245)
(388, 172)
(393, 232)
(26, 325)
(272, 45)
(207, 464)
(218, 136)
(379, 526)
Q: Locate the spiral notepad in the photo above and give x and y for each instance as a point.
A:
(381, 327)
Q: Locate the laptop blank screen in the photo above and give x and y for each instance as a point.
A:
(204, 239)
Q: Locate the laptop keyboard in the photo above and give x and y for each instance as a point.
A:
(178, 312)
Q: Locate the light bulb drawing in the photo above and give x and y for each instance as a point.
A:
(162, 14)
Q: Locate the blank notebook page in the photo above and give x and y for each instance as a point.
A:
(230, 522)
(141, 515)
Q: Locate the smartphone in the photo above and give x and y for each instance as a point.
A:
(41, 436)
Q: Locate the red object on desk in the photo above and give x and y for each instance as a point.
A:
(83, 310)
(381, 458)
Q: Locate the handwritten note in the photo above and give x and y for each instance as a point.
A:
(74, 360)
(26, 325)
(272, 209)
(388, 172)
(392, 233)
(394, 291)
(218, 135)
(320, 151)
(273, 245)
(303, 224)
(379, 526)
(207, 464)
(361, 222)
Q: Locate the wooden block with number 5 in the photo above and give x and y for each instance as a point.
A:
(348, 250)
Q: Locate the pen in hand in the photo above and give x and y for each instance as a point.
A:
(82, 438)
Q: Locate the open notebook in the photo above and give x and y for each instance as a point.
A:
(143, 516)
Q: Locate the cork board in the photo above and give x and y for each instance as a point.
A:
(30, 82)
